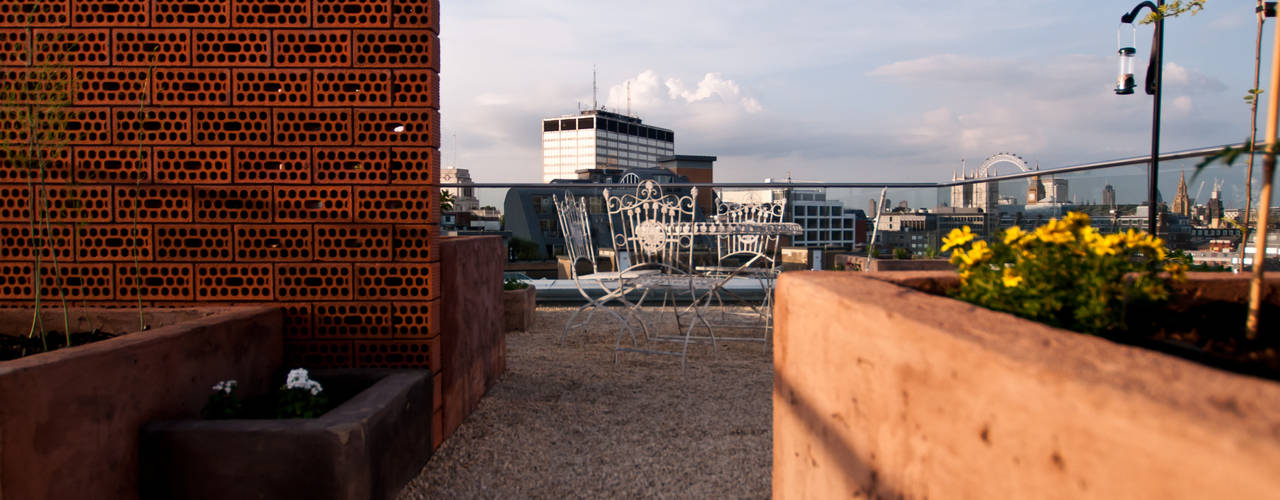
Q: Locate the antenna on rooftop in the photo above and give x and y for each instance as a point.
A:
(594, 89)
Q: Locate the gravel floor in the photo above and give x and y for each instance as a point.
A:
(565, 421)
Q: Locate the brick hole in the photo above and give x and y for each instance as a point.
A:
(300, 282)
(231, 48)
(74, 47)
(273, 165)
(110, 12)
(312, 48)
(352, 166)
(112, 164)
(192, 165)
(348, 87)
(151, 47)
(352, 320)
(153, 203)
(353, 243)
(273, 86)
(273, 243)
(34, 13)
(238, 126)
(113, 242)
(193, 243)
(152, 126)
(312, 126)
(233, 204)
(192, 87)
(190, 13)
(274, 14)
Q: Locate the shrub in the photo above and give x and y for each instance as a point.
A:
(514, 284)
(1065, 273)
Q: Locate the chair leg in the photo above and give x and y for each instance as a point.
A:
(569, 324)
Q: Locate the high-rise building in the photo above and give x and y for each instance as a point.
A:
(1181, 202)
(1109, 197)
(598, 139)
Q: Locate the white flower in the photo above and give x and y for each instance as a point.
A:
(225, 386)
(298, 379)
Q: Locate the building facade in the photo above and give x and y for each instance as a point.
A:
(598, 139)
(464, 198)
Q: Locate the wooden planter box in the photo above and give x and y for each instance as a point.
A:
(69, 419)
(367, 448)
(886, 391)
(517, 308)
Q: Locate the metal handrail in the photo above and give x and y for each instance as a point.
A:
(1136, 160)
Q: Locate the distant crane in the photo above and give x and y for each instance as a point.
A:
(1198, 191)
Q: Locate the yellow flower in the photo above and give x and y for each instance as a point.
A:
(1106, 245)
(1055, 231)
(977, 255)
(1177, 270)
(956, 238)
(1076, 219)
(1014, 236)
(1011, 278)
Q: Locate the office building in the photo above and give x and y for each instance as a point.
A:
(598, 139)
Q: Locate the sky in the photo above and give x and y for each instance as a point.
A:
(847, 91)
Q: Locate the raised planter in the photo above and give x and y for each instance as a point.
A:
(367, 448)
(885, 391)
(69, 419)
(517, 308)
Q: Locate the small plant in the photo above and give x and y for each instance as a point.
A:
(1064, 274)
(901, 253)
(223, 403)
(838, 267)
(301, 397)
(514, 284)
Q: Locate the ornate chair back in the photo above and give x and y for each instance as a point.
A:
(764, 248)
(576, 227)
(642, 225)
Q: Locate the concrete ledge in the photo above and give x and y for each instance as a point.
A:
(473, 344)
(367, 448)
(69, 419)
(886, 391)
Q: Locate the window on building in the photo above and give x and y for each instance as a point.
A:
(542, 204)
(568, 124)
(550, 125)
(586, 123)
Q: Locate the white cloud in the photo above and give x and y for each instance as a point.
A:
(714, 98)
(713, 85)
(1190, 80)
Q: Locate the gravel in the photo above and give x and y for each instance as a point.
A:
(565, 421)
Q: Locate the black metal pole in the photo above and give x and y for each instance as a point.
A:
(1155, 125)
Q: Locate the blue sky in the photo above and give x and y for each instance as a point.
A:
(838, 90)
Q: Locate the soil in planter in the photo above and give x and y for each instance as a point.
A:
(14, 347)
(1210, 333)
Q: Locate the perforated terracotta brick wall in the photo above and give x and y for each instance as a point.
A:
(242, 151)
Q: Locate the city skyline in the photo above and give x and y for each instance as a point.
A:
(836, 93)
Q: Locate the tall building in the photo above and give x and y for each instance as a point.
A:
(1109, 197)
(464, 198)
(1181, 202)
(598, 139)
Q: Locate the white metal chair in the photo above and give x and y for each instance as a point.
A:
(575, 225)
(748, 256)
(642, 225)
